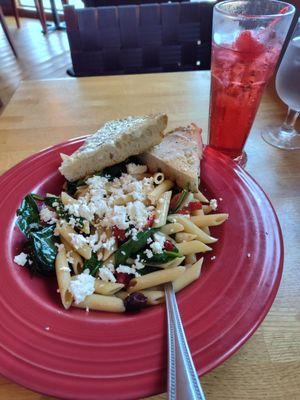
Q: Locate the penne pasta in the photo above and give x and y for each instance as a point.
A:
(190, 259)
(192, 273)
(184, 237)
(209, 220)
(171, 264)
(107, 288)
(63, 277)
(154, 278)
(153, 296)
(192, 247)
(190, 227)
(170, 229)
(162, 209)
(159, 190)
(158, 178)
(122, 294)
(74, 257)
(204, 228)
(67, 232)
(200, 196)
(102, 303)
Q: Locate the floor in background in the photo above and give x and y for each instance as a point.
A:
(40, 56)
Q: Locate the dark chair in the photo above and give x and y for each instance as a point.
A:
(6, 32)
(140, 38)
(107, 3)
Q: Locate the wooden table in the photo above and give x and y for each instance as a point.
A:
(42, 113)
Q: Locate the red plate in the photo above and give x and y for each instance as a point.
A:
(78, 355)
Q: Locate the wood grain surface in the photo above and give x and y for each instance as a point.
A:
(42, 113)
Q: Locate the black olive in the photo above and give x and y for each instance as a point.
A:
(135, 302)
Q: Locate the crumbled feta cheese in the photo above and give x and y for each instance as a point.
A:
(149, 240)
(78, 240)
(106, 275)
(214, 204)
(158, 244)
(125, 269)
(138, 264)
(134, 233)
(109, 244)
(21, 259)
(110, 266)
(47, 215)
(137, 213)
(136, 169)
(81, 286)
(148, 253)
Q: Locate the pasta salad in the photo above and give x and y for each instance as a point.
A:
(115, 238)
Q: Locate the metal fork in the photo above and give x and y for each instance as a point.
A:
(183, 381)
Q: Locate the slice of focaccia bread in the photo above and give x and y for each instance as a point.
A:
(178, 156)
(113, 143)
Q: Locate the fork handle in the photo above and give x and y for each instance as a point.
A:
(183, 381)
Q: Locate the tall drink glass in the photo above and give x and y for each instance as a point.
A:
(246, 43)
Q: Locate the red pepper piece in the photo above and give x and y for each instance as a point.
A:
(184, 210)
(194, 206)
(123, 278)
(168, 245)
(119, 234)
(150, 221)
(174, 201)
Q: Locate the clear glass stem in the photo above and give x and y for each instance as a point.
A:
(290, 120)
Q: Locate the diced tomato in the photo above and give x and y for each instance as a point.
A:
(168, 245)
(184, 211)
(194, 205)
(174, 201)
(119, 234)
(150, 221)
(123, 278)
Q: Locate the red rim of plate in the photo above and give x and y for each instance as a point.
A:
(78, 355)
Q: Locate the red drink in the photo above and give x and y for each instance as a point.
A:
(239, 75)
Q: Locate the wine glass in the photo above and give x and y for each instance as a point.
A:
(288, 88)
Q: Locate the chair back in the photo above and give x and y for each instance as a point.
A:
(107, 3)
(140, 38)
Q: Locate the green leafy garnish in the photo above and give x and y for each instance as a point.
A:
(28, 215)
(160, 258)
(92, 264)
(131, 247)
(44, 250)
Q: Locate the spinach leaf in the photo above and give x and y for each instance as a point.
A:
(28, 215)
(131, 247)
(73, 186)
(160, 258)
(92, 264)
(44, 249)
